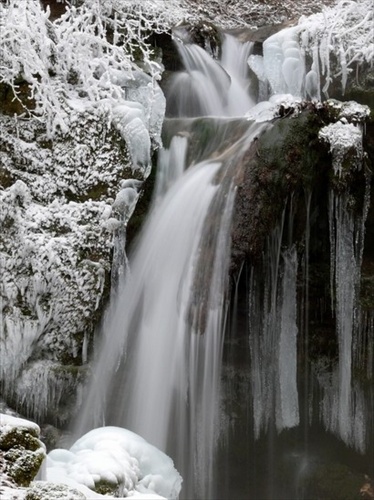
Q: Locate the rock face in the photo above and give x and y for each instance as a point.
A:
(21, 457)
(73, 156)
(57, 232)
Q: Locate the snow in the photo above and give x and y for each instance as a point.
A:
(342, 138)
(8, 422)
(120, 457)
(134, 468)
(71, 66)
(268, 110)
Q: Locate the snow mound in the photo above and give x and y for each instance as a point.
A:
(117, 458)
(8, 422)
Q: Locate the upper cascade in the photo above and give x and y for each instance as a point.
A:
(210, 87)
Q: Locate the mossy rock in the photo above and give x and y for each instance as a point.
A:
(48, 491)
(104, 487)
(23, 465)
(19, 436)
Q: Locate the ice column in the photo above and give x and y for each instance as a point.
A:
(284, 63)
(288, 405)
(343, 411)
(273, 341)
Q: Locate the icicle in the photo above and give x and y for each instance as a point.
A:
(346, 256)
(42, 387)
(288, 410)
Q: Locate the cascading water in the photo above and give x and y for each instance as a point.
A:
(207, 88)
(165, 335)
(158, 370)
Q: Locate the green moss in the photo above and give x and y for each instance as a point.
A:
(26, 437)
(106, 488)
(291, 151)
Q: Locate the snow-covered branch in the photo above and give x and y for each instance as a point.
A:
(92, 52)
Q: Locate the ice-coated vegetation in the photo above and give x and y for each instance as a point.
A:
(73, 63)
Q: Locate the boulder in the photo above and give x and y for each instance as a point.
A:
(21, 450)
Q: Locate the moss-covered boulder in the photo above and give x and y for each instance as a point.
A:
(49, 491)
(21, 449)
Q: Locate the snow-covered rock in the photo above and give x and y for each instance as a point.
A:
(345, 136)
(109, 462)
(22, 453)
(77, 118)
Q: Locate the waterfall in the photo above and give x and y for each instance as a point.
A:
(158, 370)
(159, 364)
(211, 88)
(168, 325)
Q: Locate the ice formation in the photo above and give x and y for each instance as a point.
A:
(342, 138)
(273, 335)
(343, 407)
(306, 59)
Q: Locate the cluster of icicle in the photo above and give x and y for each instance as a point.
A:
(303, 59)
